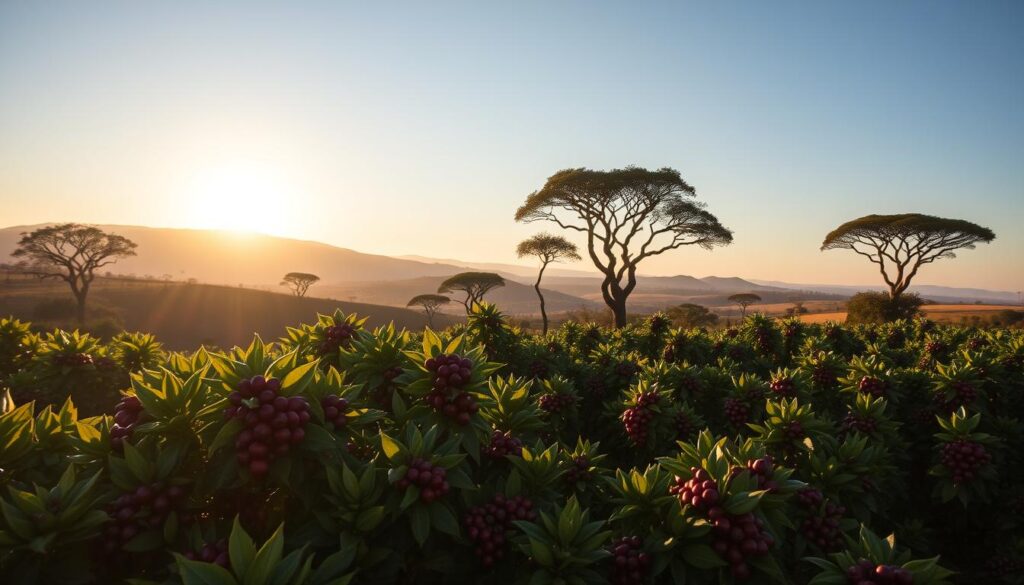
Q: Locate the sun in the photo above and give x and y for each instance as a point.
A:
(241, 197)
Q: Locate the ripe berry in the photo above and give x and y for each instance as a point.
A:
(963, 459)
(737, 412)
(489, 526)
(637, 419)
(555, 403)
(579, 470)
(737, 538)
(824, 376)
(700, 491)
(630, 564)
(430, 478)
(450, 371)
(144, 508)
(272, 423)
(503, 444)
(867, 573)
(335, 337)
(216, 553)
(761, 470)
(335, 408)
(685, 428)
(872, 386)
(783, 386)
(821, 518)
(127, 415)
(858, 422)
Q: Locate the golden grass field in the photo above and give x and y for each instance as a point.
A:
(940, 313)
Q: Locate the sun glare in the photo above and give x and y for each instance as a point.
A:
(242, 197)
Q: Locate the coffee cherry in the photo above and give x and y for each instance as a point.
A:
(216, 553)
(821, 518)
(686, 428)
(737, 412)
(335, 408)
(963, 459)
(503, 444)
(555, 403)
(737, 538)
(872, 386)
(867, 573)
(637, 419)
(335, 337)
(824, 376)
(783, 386)
(430, 478)
(127, 415)
(578, 471)
(489, 526)
(858, 422)
(144, 508)
(272, 423)
(700, 491)
(630, 564)
(761, 471)
(450, 371)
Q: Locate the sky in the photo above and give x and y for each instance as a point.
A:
(420, 127)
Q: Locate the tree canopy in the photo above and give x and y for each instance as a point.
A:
(430, 303)
(71, 252)
(548, 249)
(691, 315)
(901, 244)
(299, 282)
(744, 300)
(627, 215)
(474, 284)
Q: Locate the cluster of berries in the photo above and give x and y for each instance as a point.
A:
(700, 491)
(867, 573)
(637, 419)
(630, 564)
(935, 348)
(382, 394)
(872, 386)
(821, 524)
(503, 444)
(976, 343)
(74, 360)
(144, 509)
(964, 458)
(451, 372)
(964, 394)
(335, 337)
(335, 409)
(578, 471)
(127, 415)
(824, 376)
(539, 369)
(763, 339)
(783, 386)
(686, 427)
(211, 552)
(761, 470)
(737, 411)
(855, 422)
(556, 403)
(488, 526)
(430, 478)
(272, 423)
(737, 538)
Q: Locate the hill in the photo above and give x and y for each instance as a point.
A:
(185, 316)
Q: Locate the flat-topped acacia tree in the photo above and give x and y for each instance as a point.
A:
(744, 300)
(299, 282)
(901, 244)
(474, 284)
(628, 215)
(430, 304)
(73, 253)
(547, 248)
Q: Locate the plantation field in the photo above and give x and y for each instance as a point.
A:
(939, 313)
(188, 315)
(775, 452)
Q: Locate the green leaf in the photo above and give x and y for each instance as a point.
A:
(443, 519)
(226, 434)
(297, 380)
(702, 556)
(145, 542)
(266, 558)
(419, 521)
(198, 573)
(241, 549)
(389, 446)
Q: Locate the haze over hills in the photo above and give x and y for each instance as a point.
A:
(259, 261)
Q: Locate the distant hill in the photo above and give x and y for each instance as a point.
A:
(184, 316)
(217, 257)
(943, 294)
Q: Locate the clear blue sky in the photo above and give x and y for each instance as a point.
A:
(419, 127)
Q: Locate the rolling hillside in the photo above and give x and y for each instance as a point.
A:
(185, 316)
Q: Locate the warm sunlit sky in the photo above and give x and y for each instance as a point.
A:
(419, 127)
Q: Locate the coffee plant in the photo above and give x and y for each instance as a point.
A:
(772, 452)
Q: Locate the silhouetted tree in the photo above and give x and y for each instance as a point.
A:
(901, 244)
(430, 305)
(627, 215)
(878, 307)
(299, 282)
(691, 315)
(71, 252)
(474, 284)
(547, 249)
(744, 300)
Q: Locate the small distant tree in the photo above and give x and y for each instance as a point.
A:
(547, 249)
(71, 252)
(798, 308)
(744, 300)
(628, 215)
(299, 282)
(901, 244)
(691, 315)
(430, 305)
(474, 284)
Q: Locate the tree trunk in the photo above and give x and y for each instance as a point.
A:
(80, 311)
(536, 287)
(618, 307)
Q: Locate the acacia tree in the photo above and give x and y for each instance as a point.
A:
(71, 252)
(628, 215)
(690, 315)
(474, 284)
(430, 305)
(299, 282)
(744, 300)
(901, 244)
(548, 249)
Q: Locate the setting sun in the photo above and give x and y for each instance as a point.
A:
(241, 196)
